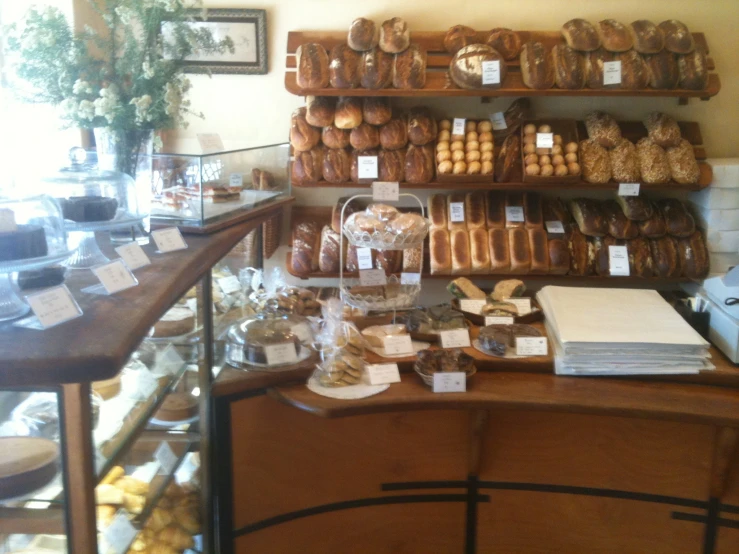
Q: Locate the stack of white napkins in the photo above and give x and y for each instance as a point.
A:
(598, 331)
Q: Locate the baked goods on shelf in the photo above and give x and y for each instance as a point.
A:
(457, 37)
(382, 226)
(569, 67)
(581, 35)
(505, 41)
(375, 335)
(653, 164)
(602, 128)
(537, 66)
(663, 70)
(550, 152)
(595, 162)
(395, 37)
(678, 38)
(376, 69)
(440, 252)
(588, 216)
(615, 36)
(648, 37)
(693, 70)
(595, 68)
(409, 69)
(363, 34)
(19, 242)
(88, 208)
(498, 339)
(311, 60)
(464, 288)
(467, 153)
(343, 68)
(467, 68)
(429, 362)
(634, 71)
(624, 162)
(683, 165)
(306, 242)
(427, 323)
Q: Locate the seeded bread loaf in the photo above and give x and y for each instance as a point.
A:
(624, 162)
(683, 165)
(653, 164)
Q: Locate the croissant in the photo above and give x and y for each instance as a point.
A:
(161, 548)
(132, 485)
(176, 537)
(159, 519)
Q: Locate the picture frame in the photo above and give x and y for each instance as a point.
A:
(247, 28)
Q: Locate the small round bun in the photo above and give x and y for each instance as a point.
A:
(445, 125)
(460, 168)
(472, 156)
(442, 145)
(529, 139)
(529, 149)
(560, 170)
(531, 159)
(445, 155)
(470, 126)
(484, 127)
(472, 145)
(545, 160)
(445, 167)
(573, 168)
(547, 170)
(557, 149)
(533, 169)
(558, 159)
(486, 147)
(485, 136)
(471, 136)
(571, 157)
(444, 134)
(486, 156)
(571, 147)
(557, 139)
(545, 129)
(457, 145)
(474, 168)
(487, 168)
(458, 156)
(530, 129)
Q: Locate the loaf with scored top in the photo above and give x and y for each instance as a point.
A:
(615, 36)
(653, 164)
(693, 70)
(537, 66)
(648, 38)
(665, 257)
(506, 41)
(409, 70)
(343, 67)
(457, 37)
(320, 110)
(678, 38)
(693, 253)
(569, 67)
(589, 217)
(581, 35)
(663, 70)
(376, 69)
(311, 60)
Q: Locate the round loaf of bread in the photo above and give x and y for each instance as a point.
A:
(505, 41)
(394, 134)
(303, 136)
(595, 162)
(391, 165)
(458, 37)
(343, 68)
(395, 37)
(663, 129)
(311, 61)
(693, 69)
(320, 110)
(348, 112)
(409, 71)
(537, 66)
(421, 126)
(364, 137)
(683, 165)
(569, 67)
(308, 166)
(663, 70)
(678, 38)
(376, 110)
(581, 35)
(419, 164)
(376, 69)
(333, 137)
(624, 162)
(466, 66)
(363, 35)
(648, 38)
(337, 165)
(354, 171)
(594, 68)
(602, 128)
(615, 36)
(634, 71)
(653, 164)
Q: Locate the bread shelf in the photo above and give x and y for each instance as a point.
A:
(438, 83)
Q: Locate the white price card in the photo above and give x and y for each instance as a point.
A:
(612, 73)
(628, 189)
(498, 121)
(120, 533)
(166, 458)
(544, 140)
(400, 344)
(372, 277)
(514, 214)
(133, 255)
(531, 346)
(168, 361)
(229, 284)
(410, 278)
(491, 72)
(472, 305)
(455, 338)
(458, 126)
(618, 260)
(115, 276)
(236, 180)
(522, 304)
(146, 384)
(364, 258)
(168, 240)
(456, 212)
(453, 381)
(388, 191)
(146, 472)
(367, 167)
(381, 374)
(498, 320)
(210, 142)
(283, 353)
(302, 331)
(54, 306)
(555, 227)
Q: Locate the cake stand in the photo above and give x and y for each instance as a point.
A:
(83, 240)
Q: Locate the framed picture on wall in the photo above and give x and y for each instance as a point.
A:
(247, 29)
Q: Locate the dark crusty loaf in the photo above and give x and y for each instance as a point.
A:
(594, 68)
(509, 156)
(303, 136)
(683, 165)
(559, 257)
(532, 210)
(466, 66)
(580, 258)
(337, 165)
(419, 164)
(693, 70)
(376, 110)
(569, 67)
(363, 35)
(640, 257)
(500, 259)
(348, 112)
(615, 36)
(678, 38)
(554, 209)
(648, 38)
(457, 37)
(390, 261)
(364, 137)
(662, 129)
(391, 165)
(343, 67)
(311, 60)
(677, 218)
(693, 256)
(636, 208)
(394, 134)
(665, 257)
(436, 205)
(602, 128)
(589, 217)
(440, 252)
(351, 207)
(421, 126)
(329, 260)
(376, 69)
(305, 247)
(320, 110)
(653, 164)
(333, 137)
(519, 250)
(581, 35)
(619, 226)
(505, 41)
(495, 202)
(595, 162)
(663, 70)
(409, 70)
(624, 162)
(539, 248)
(654, 227)
(479, 251)
(599, 245)
(395, 37)
(537, 66)
(634, 71)
(308, 166)
(474, 210)
(354, 171)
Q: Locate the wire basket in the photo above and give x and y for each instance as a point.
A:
(386, 240)
(403, 297)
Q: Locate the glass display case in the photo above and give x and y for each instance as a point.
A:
(197, 190)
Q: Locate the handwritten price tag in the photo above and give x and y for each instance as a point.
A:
(236, 180)
(618, 260)
(372, 277)
(456, 212)
(531, 346)
(364, 258)
(472, 306)
(544, 140)
(455, 338)
(278, 354)
(555, 227)
(166, 458)
(168, 240)
(388, 191)
(133, 255)
(458, 126)
(380, 374)
(612, 73)
(455, 381)
(498, 121)
(514, 214)
(498, 320)
(115, 276)
(410, 278)
(54, 306)
(491, 72)
(398, 345)
(523, 305)
(628, 189)
(367, 167)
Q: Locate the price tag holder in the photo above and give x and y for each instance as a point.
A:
(491, 72)
(471, 305)
(364, 258)
(115, 276)
(367, 167)
(120, 533)
(236, 180)
(133, 255)
(388, 191)
(372, 277)
(229, 284)
(555, 227)
(458, 126)
(531, 346)
(522, 304)
(628, 189)
(168, 240)
(54, 306)
(210, 142)
(544, 140)
(618, 260)
(453, 381)
(456, 212)
(498, 320)
(278, 354)
(612, 73)
(400, 344)
(455, 338)
(166, 458)
(498, 121)
(168, 361)
(514, 214)
(147, 384)
(381, 374)
(410, 278)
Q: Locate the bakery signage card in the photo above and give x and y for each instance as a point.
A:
(115, 276)
(628, 189)
(387, 191)
(455, 338)
(514, 214)
(398, 344)
(618, 260)
(491, 72)
(458, 126)
(522, 304)
(133, 255)
(54, 306)
(531, 346)
(364, 258)
(229, 284)
(382, 374)
(367, 167)
(453, 381)
(119, 534)
(472, 305)
(166, 458)
(555, 227)
(612, 73)
(498, 320)
(236, 180)
(410, 278)
(544, 140)
(456, 212)
(279, 354)
(498, 121)
(168, 240)
(372, 277)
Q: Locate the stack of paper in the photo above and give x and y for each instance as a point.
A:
(619, 332)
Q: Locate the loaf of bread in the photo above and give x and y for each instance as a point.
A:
(395, 37)
(663, 129)
(352, 264)
(683, 165)
(394, 134)
(461, 261)
(678, 38)
(354, 170)
(619, 226)
(624, 162)
(581, 35)
(474, 208)
(648, 38)
(539, 247)
(391, 165)
(514, 200)
(520, 251)
(466, 67)
(343, 68)
(303, 136)
(436, 206)
(329, 252)
(554, 209)
(537, 66)
(636, 208)
(599, 246)
(505, 41)
(455, 198)
(693, 256)
(532, 210)
(320, 110)
(495, 202)
(500, 259)
(348, 112)
(337, 164)
(677, 218)
(594, 68)
(413, 260)
(693, 70)
(311, 61)
(640, 258)
(615, 36)
(421, 126)
(634, 71)
(363, 35)
(440, 252)
(663, 70)
(665, 257)
(457, 37)
(333, 137)
(569, 67)
(602, 128)
(364, 137)
(376, 110)
(559, 257)
(509, 157)
(349, 208)
(308, 166)
(390, 261)
(479, 251)
(653, 164)
(654, 227)
(595, 162)
(409, 70)
(419, 164)
(581, 255)
(589, 217)
(376, 69)
(305, 247)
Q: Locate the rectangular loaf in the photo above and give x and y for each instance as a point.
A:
(500, 259)
(437, 210)
(474, 208)
(460, 244)
(539, 247)
(532, 211)
(559, 257)
(455, 197)
(495, 209)
(520, 252)
(479, 251)
(440, 252)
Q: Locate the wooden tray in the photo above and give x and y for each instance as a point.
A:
(567, 129)
(478, 319)
(26, 464)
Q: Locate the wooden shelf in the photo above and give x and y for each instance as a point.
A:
(438, 83)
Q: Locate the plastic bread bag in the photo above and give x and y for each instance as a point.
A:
(341, 347)
(38, 416)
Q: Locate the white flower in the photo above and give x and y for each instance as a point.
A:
(107, 105)
(69, 108)
(87, 110)
(147, 70)
(81, 87)
(124, 14)
(142, 104)
(173, 99)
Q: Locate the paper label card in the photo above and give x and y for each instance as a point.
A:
(618, 260)
(555, 227)
(147, 384)
(471, 305)
(612, 73)
(453, 381)
(400, 344)
(410, 278)
(514, 214)
(531, 346)
(458, 126)
(523, 305)
(236, 180)
(456, 210)
(498, 320)
(367, 167)
(372, 277)
(168, 360)
(120, 533)
(544, 140)
(115, 276)
(381, 374)
(166, 458)
(491, 72)
(364, 258)
(133, 255)
(54, 306)
(302, 331)
(210, 142)
(169, 239)
(455, 338)
(229, 284)
(388, 191)
(498, 121)
(628, 189)
(278, 354)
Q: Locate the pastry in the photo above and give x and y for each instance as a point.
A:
(429, 362)
(391, 165)
(457, 37)
(407, 224)
(395, 37)
(589, 217)
(640, 258)
(665, 257)
(654, 227)
(619, 226)
(308, 166)
(663, 129)
(537, 66)
(394, 134)
(343, 68)
(177, 406)
(421, 126)
(683, 165)
(466, 67)
(509, 288)
(663, 70)
(479, 250)
(624, 162)
(348, 112)
(497, 338)
(636, 208)
(615, 36)
(653, 164)
(678, 220)
(505, 41)
(175, 322)
(595, 162)
(131, 485)
(634, 71)
(603, 129)
(88, 208)
(648, 38)
(108, 494)
(440, 252)
(693, 253)
(383, 212)
(363, 35)
(176, 537)
(376, 69)
(19, 242)
(500, 260)
(364, 137)
(678, 38)
(311, 61)
(419, 164)
(569, 67)
(594, 68)
(306, 242)
(581, 35)
(460, 245)
(376, 110)
(337, 165)
(520, 252)
(693, 70)
(333, 137)
(409, 69)
(375, 335)
(464, 288)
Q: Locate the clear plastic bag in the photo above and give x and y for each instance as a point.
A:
(341, 346)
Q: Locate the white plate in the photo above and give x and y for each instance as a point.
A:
(417, 347)
(350, 392)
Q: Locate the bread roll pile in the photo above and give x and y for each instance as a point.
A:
(470, 153)
(560, 160)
